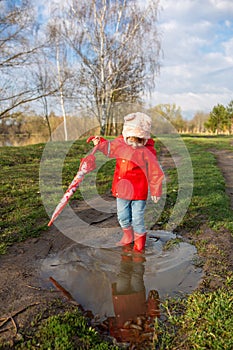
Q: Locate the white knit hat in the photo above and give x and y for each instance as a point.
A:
(137, 124)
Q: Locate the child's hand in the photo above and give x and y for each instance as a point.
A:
(94, 139)
(155, 199)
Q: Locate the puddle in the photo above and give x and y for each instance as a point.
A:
(121, 287)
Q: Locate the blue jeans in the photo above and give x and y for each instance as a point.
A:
(131, 213)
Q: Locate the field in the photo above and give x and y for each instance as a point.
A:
(30, 316)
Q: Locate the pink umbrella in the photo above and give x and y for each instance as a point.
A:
(87, 165)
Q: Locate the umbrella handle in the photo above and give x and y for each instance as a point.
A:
(94, 149)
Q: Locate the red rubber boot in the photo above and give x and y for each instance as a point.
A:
(127, 236)
(139, 242)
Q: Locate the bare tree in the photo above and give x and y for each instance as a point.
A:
(43, 75)
(17, 50)
(197, 123)
(62, 101)
(64, 74)
(16, 22)
(169, 114)
(116, 45)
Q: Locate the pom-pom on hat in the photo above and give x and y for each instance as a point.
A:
(137, 124)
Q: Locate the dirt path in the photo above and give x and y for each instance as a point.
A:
(225, 163)
(21, 296)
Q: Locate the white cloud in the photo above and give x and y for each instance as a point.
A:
(228, 47)
(197, 43)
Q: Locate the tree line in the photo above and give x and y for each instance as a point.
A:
(218, 121)
(29, 127)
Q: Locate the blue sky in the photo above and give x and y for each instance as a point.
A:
(197, 64)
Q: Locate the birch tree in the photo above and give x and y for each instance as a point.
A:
(62, 101)
(116, 45)
(43, 75)
(58, 53)
(230, 116)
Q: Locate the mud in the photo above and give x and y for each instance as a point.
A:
(225, 163)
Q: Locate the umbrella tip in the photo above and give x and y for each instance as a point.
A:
(50, 223)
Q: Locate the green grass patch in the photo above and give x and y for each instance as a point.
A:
(219, 142)
(202, 321)
(209, 203)
(22, 213)
(172, 243)
(69, 331)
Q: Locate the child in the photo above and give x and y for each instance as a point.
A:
(136, 169)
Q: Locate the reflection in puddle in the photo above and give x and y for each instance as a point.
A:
(134, 314)
(121, 287)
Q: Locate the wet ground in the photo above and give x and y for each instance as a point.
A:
(91, 274)
(119, 287)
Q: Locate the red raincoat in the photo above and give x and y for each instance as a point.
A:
(136, 169)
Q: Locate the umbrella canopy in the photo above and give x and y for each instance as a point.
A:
(87, 165)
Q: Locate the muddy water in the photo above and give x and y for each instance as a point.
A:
(121, 286)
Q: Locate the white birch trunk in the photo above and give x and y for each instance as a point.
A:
(61, 92)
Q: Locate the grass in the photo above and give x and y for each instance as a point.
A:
(209, 199)
(69, 331)
(203, 320)
(22, 214)
(172, 243)
(209, 203)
